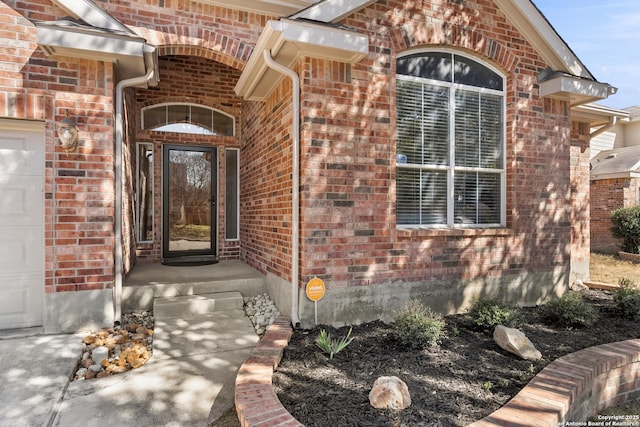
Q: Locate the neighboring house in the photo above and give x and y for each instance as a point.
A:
(395, 149)
(615, 175)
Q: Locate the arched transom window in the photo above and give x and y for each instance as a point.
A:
(450, 142)
(187, 118)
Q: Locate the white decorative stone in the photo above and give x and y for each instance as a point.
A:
(389, 393)
(99, 354)
(516, 342)
(578, 285)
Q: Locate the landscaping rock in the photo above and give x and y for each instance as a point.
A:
(262, 311)
(578, 286)
(389, 393)
(516, 342)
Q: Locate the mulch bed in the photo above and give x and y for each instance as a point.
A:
(463, 380)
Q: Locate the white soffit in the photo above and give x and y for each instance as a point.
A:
(331, 10)
(89, 12)
(288, 40)
(542, 36)
(598, 115)
(576, 90)
(263, 7)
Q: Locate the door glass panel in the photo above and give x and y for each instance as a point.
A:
(190, 201)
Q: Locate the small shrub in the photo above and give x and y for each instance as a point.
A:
(331, 346)
(416, 326)
(570, 310)
(487, 313)
(627, 299)
(626, 225)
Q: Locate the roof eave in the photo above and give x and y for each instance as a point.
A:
(131, 54)
(614, 175)
(89, 12)
(331, 10)
(289, 40)
(575, 90)
(597, 114)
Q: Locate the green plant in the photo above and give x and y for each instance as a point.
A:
(627, 299)
(416, 326)
(331, 346)
(487, 385)
(487, 313)
(570, 310)
(626, 225)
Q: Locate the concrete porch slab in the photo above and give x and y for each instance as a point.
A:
(148, 281)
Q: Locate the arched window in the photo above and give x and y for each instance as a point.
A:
(187, 118)
(450, 141)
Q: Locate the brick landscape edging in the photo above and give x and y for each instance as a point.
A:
(571, 388)
(574, 387)
(257, 404)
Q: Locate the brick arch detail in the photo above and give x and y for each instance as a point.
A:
(447, 35)
(183, 40)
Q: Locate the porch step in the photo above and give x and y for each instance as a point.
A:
(189, 305)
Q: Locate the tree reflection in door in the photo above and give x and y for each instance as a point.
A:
(189, 200)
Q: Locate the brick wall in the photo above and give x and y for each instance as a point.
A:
(265, 177)
(349, 236)
(79, 199)
(580, 215)
(348, 232)
(606, 196)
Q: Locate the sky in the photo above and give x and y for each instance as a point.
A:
(605, 36)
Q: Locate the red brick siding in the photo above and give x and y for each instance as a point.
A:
(79, 199)
(349, 236)
(265, 176)
(348, 232)
(606, 196)
(580, 215)
(200, 81)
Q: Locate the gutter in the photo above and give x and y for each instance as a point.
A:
(118, 256)
(613, 120)
(295, 186)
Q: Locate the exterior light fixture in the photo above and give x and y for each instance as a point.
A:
(68, 134)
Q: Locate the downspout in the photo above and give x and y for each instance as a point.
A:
(295, 186)
(612, 122)
(120, 87)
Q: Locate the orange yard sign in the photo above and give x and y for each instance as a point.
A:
(315, 289)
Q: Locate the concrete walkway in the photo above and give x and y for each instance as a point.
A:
(188, 381)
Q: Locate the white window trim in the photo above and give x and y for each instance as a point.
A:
(189, 104)
(451, 169)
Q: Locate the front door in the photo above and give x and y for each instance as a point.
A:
(189, 204)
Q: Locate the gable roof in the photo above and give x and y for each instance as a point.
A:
(91, 33)
(568, 78)
(617, 163)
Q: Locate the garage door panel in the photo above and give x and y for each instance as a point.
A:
(19, 204)
(21, 303)
(22, 236)
(21, 250)
(20, 154)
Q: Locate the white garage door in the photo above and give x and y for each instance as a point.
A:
(21, 224)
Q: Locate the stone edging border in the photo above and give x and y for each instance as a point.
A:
(574, 387)
(571, 388)
(256, 402)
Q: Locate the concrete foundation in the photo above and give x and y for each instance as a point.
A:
(343, 306)
(67, 312)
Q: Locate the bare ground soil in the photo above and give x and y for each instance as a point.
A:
(610, 269)
(464, 379)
